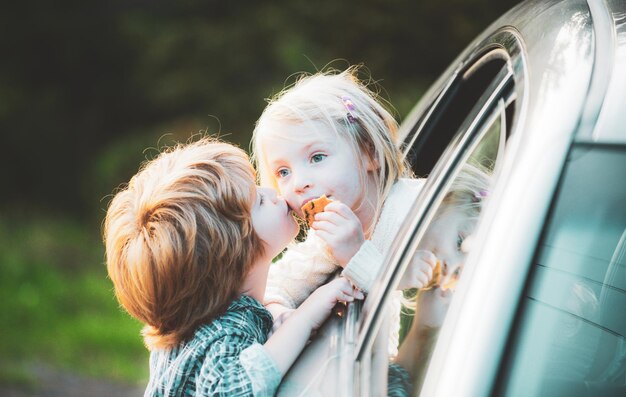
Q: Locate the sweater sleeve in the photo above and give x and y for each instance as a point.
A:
(302, 268)
(364, 266)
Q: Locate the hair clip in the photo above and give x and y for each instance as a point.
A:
(349, 105)
(478, 196)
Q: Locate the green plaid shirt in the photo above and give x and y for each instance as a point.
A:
(224, 358)
(398, 382)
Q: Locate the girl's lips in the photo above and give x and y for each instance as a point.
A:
(306, 201)
(314, 198)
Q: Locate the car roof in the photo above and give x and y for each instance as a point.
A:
(570, 66)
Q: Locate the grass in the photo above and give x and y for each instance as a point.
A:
(58, 305)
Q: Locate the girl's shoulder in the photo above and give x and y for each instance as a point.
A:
(406, 188)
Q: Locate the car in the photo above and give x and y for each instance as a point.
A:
(539, 99)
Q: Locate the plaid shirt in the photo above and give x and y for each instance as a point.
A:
(224, 358)
(398, 382)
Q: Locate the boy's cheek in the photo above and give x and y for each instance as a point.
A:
(293, 207)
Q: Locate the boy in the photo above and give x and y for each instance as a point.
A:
(189, 243)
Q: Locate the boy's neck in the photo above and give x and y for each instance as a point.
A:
(256, 280)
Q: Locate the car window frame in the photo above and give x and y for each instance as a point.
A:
(468, 136)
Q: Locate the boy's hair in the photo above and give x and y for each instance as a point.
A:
(179, 238)
(339, 101)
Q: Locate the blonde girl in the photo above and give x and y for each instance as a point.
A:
(447, 241)
(329, 135)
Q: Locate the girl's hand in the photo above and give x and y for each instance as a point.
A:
(280, 313)
(341, 230)
(432, 306)
(420, 271)
(316, 308)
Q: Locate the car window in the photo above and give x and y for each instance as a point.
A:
(431, 134)
(569, 337)
(471, 157)
(344, 358)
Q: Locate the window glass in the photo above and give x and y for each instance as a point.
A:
(444, 244)
(570, 334)
(431, 135)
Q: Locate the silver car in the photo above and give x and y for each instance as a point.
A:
(539, 98)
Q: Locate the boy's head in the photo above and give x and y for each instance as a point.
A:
(180, 240)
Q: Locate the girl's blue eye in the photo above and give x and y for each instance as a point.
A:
(283, 172)
(459, 241)
(316, 158)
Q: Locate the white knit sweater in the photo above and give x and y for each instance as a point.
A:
(307, 265)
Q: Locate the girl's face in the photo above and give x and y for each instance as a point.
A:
(447, 238)
(272, 220)
(308, 160)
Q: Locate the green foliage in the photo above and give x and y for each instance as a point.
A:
(78, 78)
(86, 87)
(58, 305)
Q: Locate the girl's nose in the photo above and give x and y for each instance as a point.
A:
(301, 184)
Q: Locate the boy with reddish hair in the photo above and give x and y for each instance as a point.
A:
(189, 243)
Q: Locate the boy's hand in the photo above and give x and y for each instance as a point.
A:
(420, 271)
(280, 313)
(316, 308)
(432, 306)
(341, 230)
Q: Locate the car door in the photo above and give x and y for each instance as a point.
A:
(467, 122)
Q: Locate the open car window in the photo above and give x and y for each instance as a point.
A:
(471, 156)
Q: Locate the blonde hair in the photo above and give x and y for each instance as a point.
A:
(468, 192)
(369, 128)
(467, 195)
(179, 238)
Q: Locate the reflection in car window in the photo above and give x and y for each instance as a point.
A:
(445, 245)
(570, 335)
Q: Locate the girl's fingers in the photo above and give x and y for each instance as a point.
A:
(323, 226)
(341, 209)
(328, 216)
(326, 236)
(432, 259)
(344, 285)
(422, 279)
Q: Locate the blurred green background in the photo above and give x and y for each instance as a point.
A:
(88, 90)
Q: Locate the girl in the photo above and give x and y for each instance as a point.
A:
(328, 135)
(446, 241)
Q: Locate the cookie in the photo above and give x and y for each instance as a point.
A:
(436, 276)
(313, 207)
